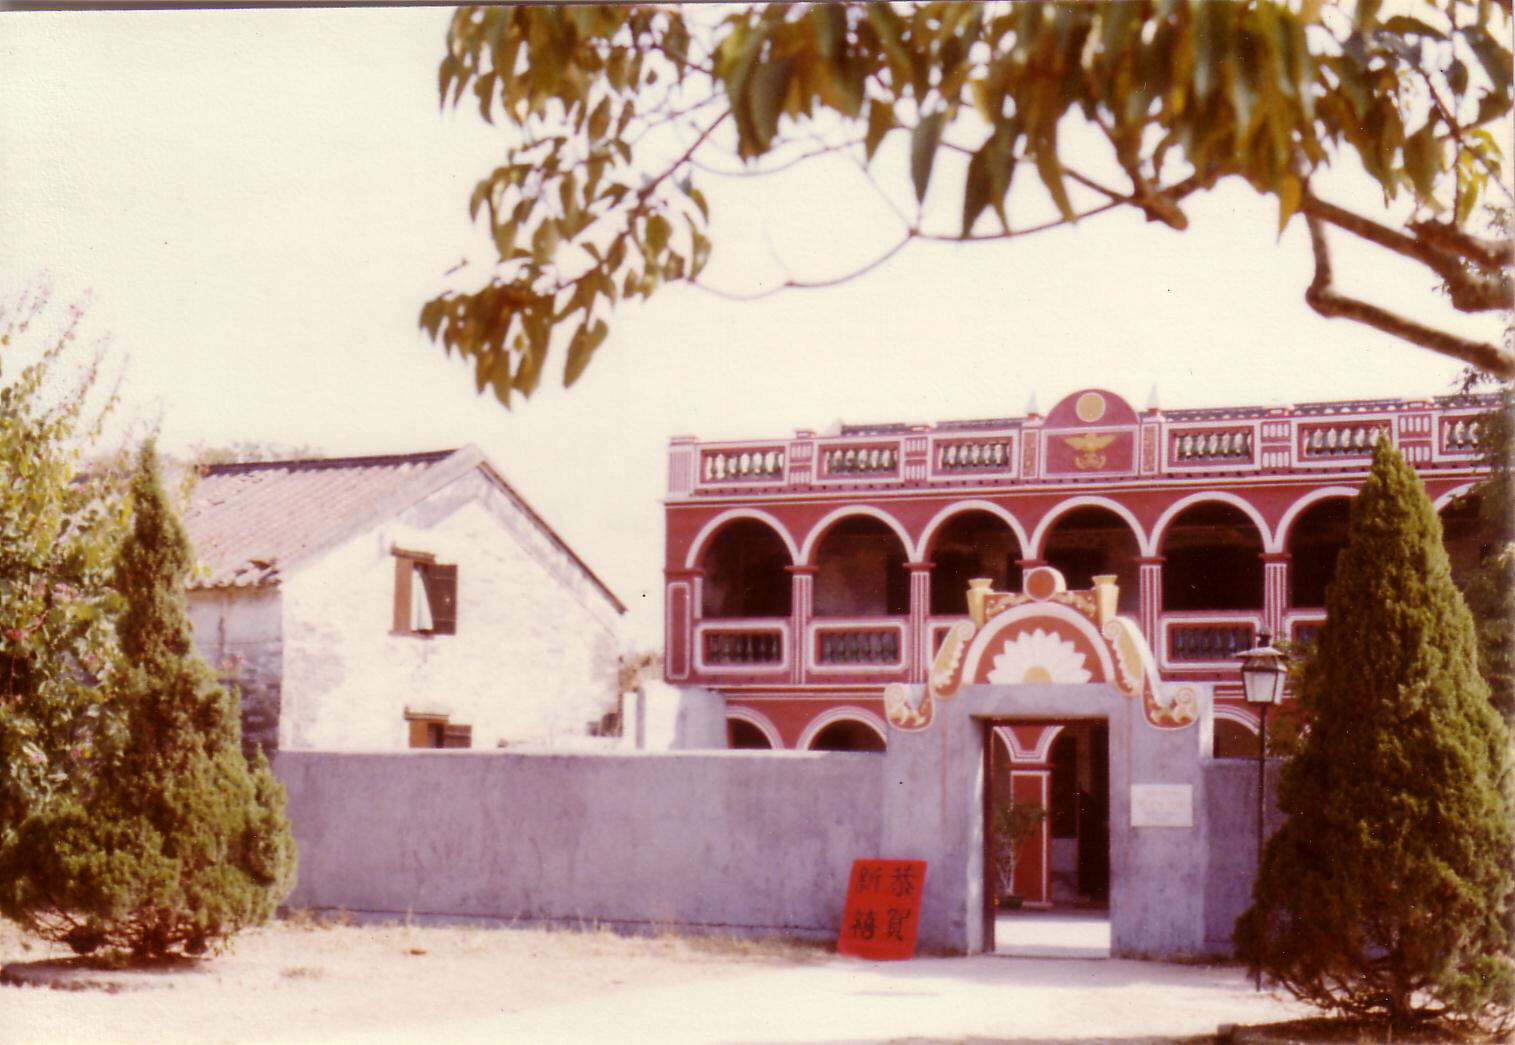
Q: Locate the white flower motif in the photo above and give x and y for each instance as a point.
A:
(1039, 656)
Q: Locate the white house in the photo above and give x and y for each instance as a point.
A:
(413, 600)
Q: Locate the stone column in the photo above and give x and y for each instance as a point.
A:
(918, 633)
(801, 609)
(682, 608)
(1150, 585)
(1275, 591)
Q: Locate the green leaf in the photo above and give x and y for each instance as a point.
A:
(880, 123)
(1405, 25)
(923, 142)
(976, 188)
(581, 349)
(1457, 76)
(657, 231)
(830, 22)
(770, 83)
(1051, 172)
(599, 119)
(1423, 160)
(1290, 194)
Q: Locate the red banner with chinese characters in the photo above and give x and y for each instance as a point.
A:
(883, 908)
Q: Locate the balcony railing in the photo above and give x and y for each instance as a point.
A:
(1207, 641)
(728, 646)
(858, 647)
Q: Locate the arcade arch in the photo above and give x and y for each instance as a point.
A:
(1090, 540)
(844, 729)
(974, 543)
(1466, 535)
(744, 573)
(860, 570)
(1315, 538)
(749, 731)
(1212, 559)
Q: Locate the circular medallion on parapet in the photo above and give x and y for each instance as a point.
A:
(1090, 407)
(1043, 582)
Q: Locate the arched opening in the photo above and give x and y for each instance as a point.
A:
(744, 572)
(860, 571)
(1317, 537)
(847, 734)
(973, 544)
(742, 735)
(1467, 537)
(1092, 540)
(1212, 560)
(1232, 739)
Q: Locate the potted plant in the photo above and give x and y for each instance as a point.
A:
(1013, 823)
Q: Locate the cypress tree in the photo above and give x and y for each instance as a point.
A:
(177, 842)
(1386, 892)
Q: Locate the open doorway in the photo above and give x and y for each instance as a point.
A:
(1053, 897)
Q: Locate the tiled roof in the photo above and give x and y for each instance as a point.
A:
(247, 521)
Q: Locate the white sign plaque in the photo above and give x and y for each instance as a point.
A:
(1162, 805)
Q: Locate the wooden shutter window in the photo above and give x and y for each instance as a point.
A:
(442, 590)
(456, 735)
(404, 568)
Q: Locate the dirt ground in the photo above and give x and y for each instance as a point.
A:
(306, 981)
(300, 981)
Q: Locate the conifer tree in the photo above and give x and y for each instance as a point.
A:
(1387, 890)
(178, 842)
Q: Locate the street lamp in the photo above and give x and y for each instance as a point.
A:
(1262, 679)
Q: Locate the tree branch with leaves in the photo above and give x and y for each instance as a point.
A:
(614, 113)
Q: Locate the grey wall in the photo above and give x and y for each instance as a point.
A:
(1231, 809)
(719, 839)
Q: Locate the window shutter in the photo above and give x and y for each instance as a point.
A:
(457, 735)
(404, 567)
(442, 588)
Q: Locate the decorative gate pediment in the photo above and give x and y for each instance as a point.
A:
(1043, 635)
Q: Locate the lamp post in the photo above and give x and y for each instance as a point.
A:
(1262, 679)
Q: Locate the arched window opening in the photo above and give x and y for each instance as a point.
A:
(1467, 537)
(1232, 739)
(973, 544)
(1317, 537)
(1212, 560)
(847, 735)
(860, 571)
(742, 735)
(744, 572)
(1090, 541)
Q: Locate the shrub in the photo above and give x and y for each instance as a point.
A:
(177, 843)
(1386, 892)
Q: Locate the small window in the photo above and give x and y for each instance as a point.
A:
(434, 731)
(426, 595)
(1233, 740)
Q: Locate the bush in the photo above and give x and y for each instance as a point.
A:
(177, 842)
(1386, 892)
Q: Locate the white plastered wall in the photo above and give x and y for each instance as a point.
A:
(534, 656)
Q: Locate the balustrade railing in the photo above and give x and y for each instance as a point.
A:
(858, 646)
(1212, 444)
(723, 648)
(1205, 641)
(1340, 440)
(718, 466)
(1464, 435)
(970, 455)
(860, 460)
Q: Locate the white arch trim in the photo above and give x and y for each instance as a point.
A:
(1160, 528)
(1020, 755)
(807, 550)
(702, 539)
(1039, 537)
(1236, 714)
(1323, 494)
(843, 714)
(1451, 495)
(940, 519)
(758, 721)
(991, 636)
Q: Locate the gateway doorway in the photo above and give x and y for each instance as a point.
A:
(1055, 900)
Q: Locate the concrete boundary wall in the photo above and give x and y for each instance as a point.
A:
(732, 839)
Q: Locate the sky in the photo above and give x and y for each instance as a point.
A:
(258, 203)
